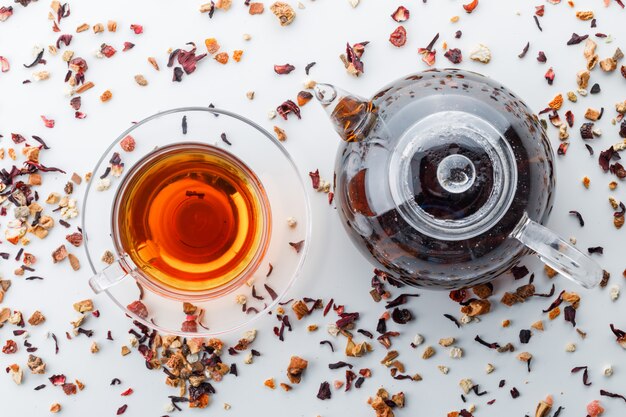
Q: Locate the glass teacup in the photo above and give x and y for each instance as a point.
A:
(186, 221)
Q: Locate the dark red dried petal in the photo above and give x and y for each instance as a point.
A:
(76, 103)
(189, 326)
(539, 10)
(297, 246)
(66, 39)
(122, 410)
(586, 130)
(469, 8)
(454, 55)
(541, 57)
(283, 69)
(80, 115)
(127, 46)
(138, 308)
(569, 117)
(618, 170)
(576, 39)
(69, 388)
(398, 37)
(188, 59)
(17, 138)
(401, 14)
(128, 392)
(288, 107)
(80, 64)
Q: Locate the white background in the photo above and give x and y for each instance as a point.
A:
(334, 268)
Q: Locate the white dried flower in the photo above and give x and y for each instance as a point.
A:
(333, 330)
(418, 340)
(248, 358)
(570, 347)
(354, 3)
(456, 352)
(489, 368)
(614, 292)
(480, 53)
(444, 369)
(466, 385)
(271, 114)
(292, 222)
(241, 299)
(249, 335)
(608, 371)
(103, 184)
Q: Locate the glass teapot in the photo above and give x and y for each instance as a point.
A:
(444, 179)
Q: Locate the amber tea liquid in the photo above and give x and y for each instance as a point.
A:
(192, 218)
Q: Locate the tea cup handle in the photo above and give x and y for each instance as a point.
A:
(558, 254)
(108, 277)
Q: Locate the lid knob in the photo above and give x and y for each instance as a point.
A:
(456, 173)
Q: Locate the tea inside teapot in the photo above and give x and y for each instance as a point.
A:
(444, 178)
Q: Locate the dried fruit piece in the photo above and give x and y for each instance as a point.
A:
(128, 144)
(586, 130)
(141, 80)
(283, 69)
(256, 8)
(296, 368)
(469, 8)
(284, 12)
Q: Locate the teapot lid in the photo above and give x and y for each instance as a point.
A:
(452, 175)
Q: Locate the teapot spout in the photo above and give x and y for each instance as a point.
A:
(352, 117)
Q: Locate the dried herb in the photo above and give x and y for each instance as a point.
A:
(177, 74)
(381, 327)
(56, 343)
(576, 39)
(595, 89)
(324, 392)
(401, 315)
(556, 302)
(38, 60)
(537, 23)
(122, 410)
(329, 343)
(453, 320)
(115, 381)
(359, 382)
(519, 272)
(578, 216)
(38, 387)
(184, 125)
(489, 345)
(340, 364)
(399, 300)
(541, 57)
(366, 333)
(585, 374)
(297, 245)
(524, 336)
(524, 51)
(569, 313)
(514, 393)
(611, 395)
(308, 67)
(549, 294)
(596, 249)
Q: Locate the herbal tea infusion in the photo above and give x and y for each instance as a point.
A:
(192, 217)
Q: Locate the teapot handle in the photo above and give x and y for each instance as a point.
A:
(558, 254)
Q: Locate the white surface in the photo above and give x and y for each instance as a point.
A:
(334, 268)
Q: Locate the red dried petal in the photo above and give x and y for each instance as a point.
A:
(401, 14)
(539, 10)
(429, 57)
(594, 408)
(398, 37)
(5, 13)
(315, 179)
(563, 148)
(454, 55)
(189, 326)
(128, 143)
(66, 39)
(188, 59)
(107, 50)
(127, 46)
(549, 76)
(4, 64)
(57, 379)
(80, 64)
(569, 117)
(49, 123)
(80, 115)
(128, 392)
(138, 308)
(138, 29)
(469, 8)
(283, 69)
(69, 388)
